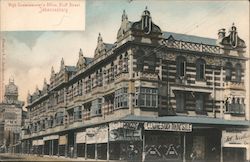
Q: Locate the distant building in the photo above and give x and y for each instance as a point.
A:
(150, 96)
(10, 117)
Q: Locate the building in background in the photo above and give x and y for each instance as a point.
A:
(10, 118)
(150, 96)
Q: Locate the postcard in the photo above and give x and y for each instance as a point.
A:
(124, 80)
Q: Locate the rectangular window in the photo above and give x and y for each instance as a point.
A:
(199, 102)
(146, 97)
(121, 98)
(202, 68)
(96, 107)
(180, 101)
(182, 68)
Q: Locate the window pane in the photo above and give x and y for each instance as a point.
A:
(199, 102)
(154, 100)
(142, 100)
(148, 99)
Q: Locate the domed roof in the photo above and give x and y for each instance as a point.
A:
(11, 88)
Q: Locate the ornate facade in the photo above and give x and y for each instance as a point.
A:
(152, 95)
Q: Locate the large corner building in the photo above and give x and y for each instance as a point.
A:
(150, 96)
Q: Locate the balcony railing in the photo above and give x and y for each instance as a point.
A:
(146, 76)
(190, 46)
(236, 109)
(234, 85)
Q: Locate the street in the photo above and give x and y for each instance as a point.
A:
(25, 157)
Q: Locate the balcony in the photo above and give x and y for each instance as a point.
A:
(146, 76)
(190, 46)
(234, 86)
(235, 109)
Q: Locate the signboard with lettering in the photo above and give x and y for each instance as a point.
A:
(52, 137)
(34, 143)
(97, 134)
(81, 137)
(40, 142)
(102, 134)
(124, 131)
(91, 135)
(63, 140)
(176, 127)
(235, 138)
(124, 125)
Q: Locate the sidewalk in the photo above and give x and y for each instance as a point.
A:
(27, 157)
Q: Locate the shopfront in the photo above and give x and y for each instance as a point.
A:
(51, 145)
(125, 141)
(97, 142)
(80, 144)
(235, 144)
(62, 145)
(165, 141)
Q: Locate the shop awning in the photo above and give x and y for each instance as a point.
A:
(188, 119)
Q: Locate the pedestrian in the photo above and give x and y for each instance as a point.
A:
(193, 155)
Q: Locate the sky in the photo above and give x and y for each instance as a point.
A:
(30, 55)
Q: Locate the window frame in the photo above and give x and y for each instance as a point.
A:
(200, 74)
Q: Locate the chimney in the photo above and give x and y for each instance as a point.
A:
(221, 33)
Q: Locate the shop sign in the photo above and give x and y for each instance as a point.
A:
(123, 125)
(52, 137)
(63, 140)
(40, 142)
(34, 143)
(176, 127)
(81, 137)
(91, 135)
(124, 131)
(102, 134)
(235, 138)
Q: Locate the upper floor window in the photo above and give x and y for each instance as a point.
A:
(200, 69)
(96, 107)
(146, 97)
(181, 66)
(59, 118)
(199, 104)
(228, 70)
(121, 98)
(238, 72)
(77, 113)
(180, 101)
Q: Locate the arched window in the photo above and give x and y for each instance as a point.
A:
(238, 72)
(180, 66)
(200, 69)
(228, 71)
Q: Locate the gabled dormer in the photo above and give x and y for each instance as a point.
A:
(102, 47)
(231, 42)
(62, 65)
(81, 63)
(144, 30)
(45, 86)
(125, 27)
